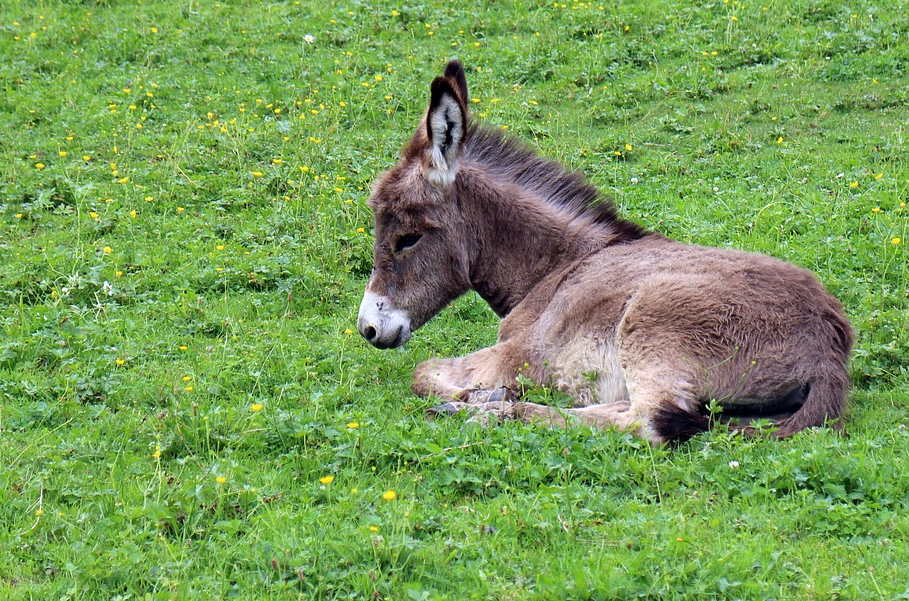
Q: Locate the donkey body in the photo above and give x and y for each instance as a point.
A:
(643, 332)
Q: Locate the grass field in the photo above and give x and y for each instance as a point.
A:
(187, 411)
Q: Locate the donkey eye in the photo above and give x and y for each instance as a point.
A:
(406, 241)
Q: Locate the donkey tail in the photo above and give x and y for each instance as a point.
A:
(825, 403)
(674, 425)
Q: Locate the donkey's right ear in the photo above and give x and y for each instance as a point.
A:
(446, 123)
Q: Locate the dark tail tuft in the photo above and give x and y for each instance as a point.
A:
(672, 424)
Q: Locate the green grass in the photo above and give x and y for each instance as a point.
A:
(177, 363)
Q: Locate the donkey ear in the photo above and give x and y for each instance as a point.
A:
(455, 71)
(446, 123)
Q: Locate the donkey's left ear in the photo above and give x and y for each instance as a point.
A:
(446, 124)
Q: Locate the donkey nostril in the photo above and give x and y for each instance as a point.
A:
(369, 333)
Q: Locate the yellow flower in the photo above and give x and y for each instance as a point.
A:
(895, 240)
(154, 30)
(257, 174)
(107, 250)
(182, 347)
(39, 512)
(188, 389)
(180, 210)
(257, 406)
(779, 140)
(63, 153)
(133, 214)
(348, 332)
(394, 13)
(876, 210)
(118, 273)
(86, 158)
(879, 176)
(373, 528)
(327, 479)
(39, 166)
(276, 161)
(628, 147)
(353, 425)
(361, 230)
(92, 214)
(389, 495)
(157, 453)
(120, 361)
(187, 378)
(219, 247)
(853, 185)
(221, 479)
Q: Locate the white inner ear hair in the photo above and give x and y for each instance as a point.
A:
(447, 130)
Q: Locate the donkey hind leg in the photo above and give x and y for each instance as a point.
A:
(612, 415)
(655, 396)
(487, 375)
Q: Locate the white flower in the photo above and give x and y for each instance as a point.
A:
(308, 39)
(107, 288)
(734, 464)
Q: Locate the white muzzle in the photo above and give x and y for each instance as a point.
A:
(380, 323)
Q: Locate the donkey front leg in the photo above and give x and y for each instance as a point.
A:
(486, 375)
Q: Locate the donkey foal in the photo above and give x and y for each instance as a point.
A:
(643, 332)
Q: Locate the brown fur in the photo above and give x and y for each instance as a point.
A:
(642, 331)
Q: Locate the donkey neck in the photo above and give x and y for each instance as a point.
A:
(518, 236)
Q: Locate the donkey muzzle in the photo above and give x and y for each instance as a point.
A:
(381, 324)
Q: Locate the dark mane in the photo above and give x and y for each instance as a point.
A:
(567, 189)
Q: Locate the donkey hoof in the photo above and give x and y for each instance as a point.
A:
(500, 395)
(445, 409)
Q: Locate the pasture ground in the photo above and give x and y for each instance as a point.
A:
(187, 412)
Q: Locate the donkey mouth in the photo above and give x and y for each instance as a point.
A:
(387, 339)
(382, 325)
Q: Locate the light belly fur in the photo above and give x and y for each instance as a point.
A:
(590, 371)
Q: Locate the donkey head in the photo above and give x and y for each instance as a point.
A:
(421, 248)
